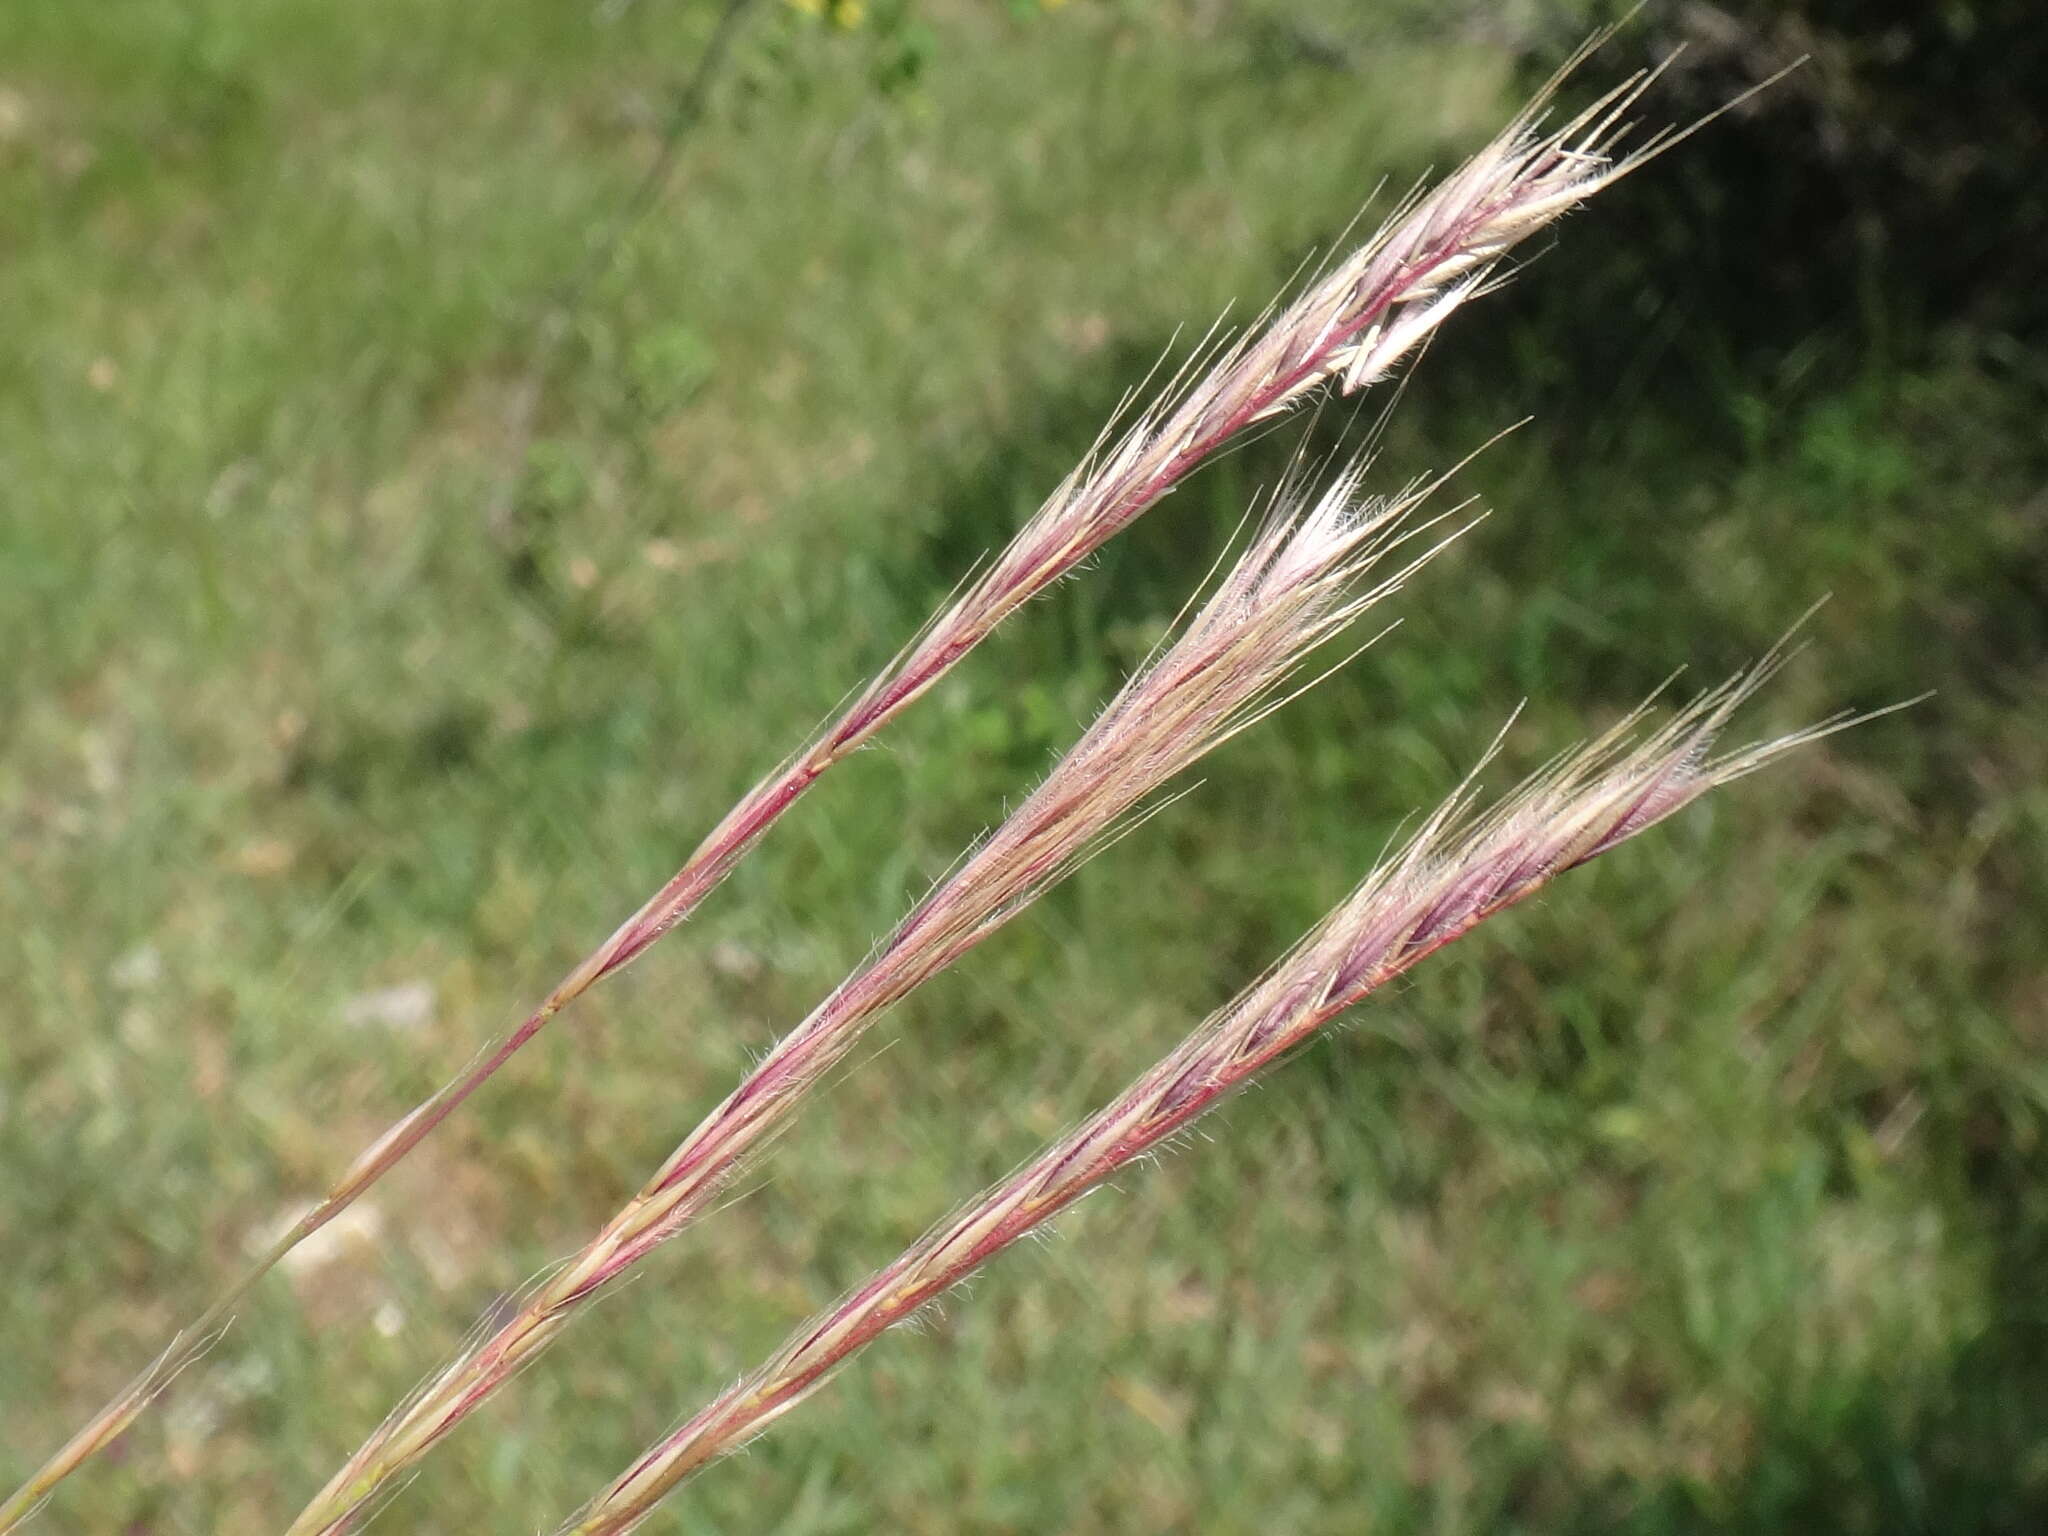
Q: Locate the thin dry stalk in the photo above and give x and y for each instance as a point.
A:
(1298, 583)
(1353, 324)
(1454, 874)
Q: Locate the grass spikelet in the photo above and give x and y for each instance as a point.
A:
(1300, 580)
(1353, 325)
(1454, 873)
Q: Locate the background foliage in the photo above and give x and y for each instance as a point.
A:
(339, 716)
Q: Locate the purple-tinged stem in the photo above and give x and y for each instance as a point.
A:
(1441, 887)
(1294, 587)
(1353, 324)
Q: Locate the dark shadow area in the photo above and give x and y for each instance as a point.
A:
(1862, 210)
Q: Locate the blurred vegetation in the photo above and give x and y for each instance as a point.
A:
(340, 716)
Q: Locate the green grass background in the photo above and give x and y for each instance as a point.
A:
(1705, 1194)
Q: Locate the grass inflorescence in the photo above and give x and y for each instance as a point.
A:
(1710, 1191)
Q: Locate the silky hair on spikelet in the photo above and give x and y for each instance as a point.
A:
(1300, 580)
(1457, 870)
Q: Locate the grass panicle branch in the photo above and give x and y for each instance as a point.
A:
(1300, 580)
(1352, 324)
(1455, 873)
